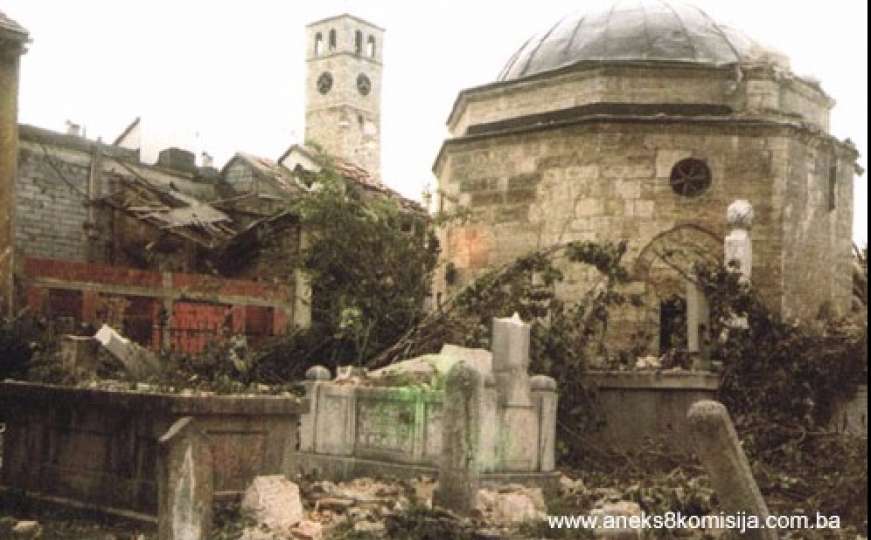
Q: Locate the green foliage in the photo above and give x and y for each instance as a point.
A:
(562, 335)
(780, 383)
(370, 263)
(788, 373)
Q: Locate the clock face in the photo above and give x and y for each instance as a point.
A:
(364, 85)
(325, 82)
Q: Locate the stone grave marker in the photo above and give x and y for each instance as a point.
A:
(459, 474)
(185, 477)
(717, 445)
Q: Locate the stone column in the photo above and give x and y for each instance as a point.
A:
(544, 393)
(13, 39)
(511, 359)
(738, 246)
(315, 377)
(517, 448)
(719, 449)
(184, 483)
(459, 470)
(698, 324)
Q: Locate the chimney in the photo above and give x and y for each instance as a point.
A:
(177, 159)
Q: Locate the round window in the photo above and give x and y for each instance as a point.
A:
(690, 177)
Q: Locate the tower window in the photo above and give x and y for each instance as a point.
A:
(833, 186)
(370, 47)
(332, 40)
(690, 177)
(319, 44)
(358, 42)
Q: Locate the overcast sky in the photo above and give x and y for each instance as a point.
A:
(229, 75)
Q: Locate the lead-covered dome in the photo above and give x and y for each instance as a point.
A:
(632, 31)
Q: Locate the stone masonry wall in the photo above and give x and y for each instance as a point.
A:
(602, 181)
(759, 91)
(51, 210)
(817, 238)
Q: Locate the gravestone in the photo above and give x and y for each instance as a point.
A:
(185, 477)
(511, 359)
(719, 449)
(738, 246)
(518, 442)
(459, 470)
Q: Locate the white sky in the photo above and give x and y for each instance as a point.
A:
(223, 76)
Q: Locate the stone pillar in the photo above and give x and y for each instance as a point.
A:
(545, 396)
(719, 449)
(13, 39)
(517, 448)
(459, 470)
(511, 360)
(738, 246)
(315, 377)
(698, 325)
(184, 483)
(302, 290)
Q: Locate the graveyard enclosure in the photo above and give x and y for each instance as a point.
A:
(637, 405)
(175, 311)
(100, 447)
(358, 430)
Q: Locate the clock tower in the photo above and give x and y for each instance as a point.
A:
(343, 89)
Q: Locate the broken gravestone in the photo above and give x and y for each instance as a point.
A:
(719, 449)
(137, 360)
(459, 475)
(184, 481)
(275, 505)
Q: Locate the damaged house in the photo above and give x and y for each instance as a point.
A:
(168, 253)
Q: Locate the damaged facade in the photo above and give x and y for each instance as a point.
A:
(172, 253)
(644, 123)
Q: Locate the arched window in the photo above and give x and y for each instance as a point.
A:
(370, 47)
(358, 42)
(319, 44)
(332, 40)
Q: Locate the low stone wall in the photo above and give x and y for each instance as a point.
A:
(354, 431)
(648, 404)
(363, 426)
(100, 447)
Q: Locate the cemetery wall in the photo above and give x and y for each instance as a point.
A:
(101, 447)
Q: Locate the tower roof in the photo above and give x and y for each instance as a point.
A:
(10, 28)
(632, 31)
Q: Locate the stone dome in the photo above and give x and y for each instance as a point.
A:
(633, 31)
